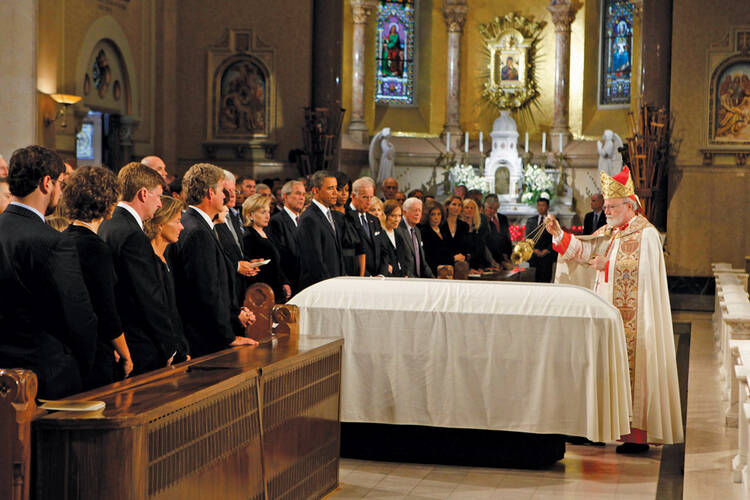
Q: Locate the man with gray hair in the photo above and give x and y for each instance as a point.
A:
(368, 227)
(412, 256)
(282, 230)
(319, 236)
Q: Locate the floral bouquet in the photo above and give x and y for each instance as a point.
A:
(465, 174)
(537, 184)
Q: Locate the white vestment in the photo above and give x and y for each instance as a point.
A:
(635, 281)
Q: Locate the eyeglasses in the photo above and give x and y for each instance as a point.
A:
(612, 207)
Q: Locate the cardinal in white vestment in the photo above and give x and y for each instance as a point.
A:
(626, 255)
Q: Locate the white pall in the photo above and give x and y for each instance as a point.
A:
(524, 357)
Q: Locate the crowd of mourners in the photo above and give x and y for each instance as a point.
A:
(104, 275)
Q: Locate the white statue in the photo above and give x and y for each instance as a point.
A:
(382, 156)
(610, 159)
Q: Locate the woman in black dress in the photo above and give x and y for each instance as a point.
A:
(476, 246)
(390, 240)
(454, 230)
(256, 211)
(89, 197)
(436, 250)
(164, 229)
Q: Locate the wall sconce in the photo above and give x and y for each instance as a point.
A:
(66, 100)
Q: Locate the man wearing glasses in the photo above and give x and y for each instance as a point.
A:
(627, 257)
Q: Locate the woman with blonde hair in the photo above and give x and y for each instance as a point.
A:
(479, 255)
(163, 229)
(376, 209)
(256, 210)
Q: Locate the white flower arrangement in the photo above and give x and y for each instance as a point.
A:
(537, 184)
(465, 174)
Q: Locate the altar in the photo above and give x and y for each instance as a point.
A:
(501, 356)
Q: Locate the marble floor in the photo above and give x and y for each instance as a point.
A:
(585, 472)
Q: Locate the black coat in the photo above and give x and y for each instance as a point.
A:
(499, 241)
(390, 253)
(98, 271)
(542, 265)
(47, 323)
(588, 222)
(258, 247)
(139, 294)
(369, 244)
(351, 243)
(204, 286)
(283, 233)
(436, 249)
(407, 255)
(319, 248)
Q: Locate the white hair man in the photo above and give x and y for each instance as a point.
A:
(282, 229)
(627, 257)
(412, 257)
(368, 227)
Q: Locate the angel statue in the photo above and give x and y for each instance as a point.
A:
(382, 156)
(610, 159)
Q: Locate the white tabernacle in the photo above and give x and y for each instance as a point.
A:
(539, 358)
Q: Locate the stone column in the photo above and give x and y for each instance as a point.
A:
(563, 13)
(361, 10)
(18, 77)
(656, 52)
(454, 12)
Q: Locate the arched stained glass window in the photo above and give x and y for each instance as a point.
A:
(395, 52)
(617, 54)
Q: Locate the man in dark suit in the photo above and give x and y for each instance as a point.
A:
(544, 257)
(319, 236)
(412, 257)
(498, 239)
(282, 229)
(141, 301)
(47, 323)
(204, 277)
(596, 218)
(368, 227)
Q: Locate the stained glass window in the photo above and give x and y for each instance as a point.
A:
(617, 53)
(395, 74)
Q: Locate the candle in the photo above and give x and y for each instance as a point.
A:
(526, 143)
(447, 142)
(544, 142)
(466, 142)
(560, 142)
(481, 142)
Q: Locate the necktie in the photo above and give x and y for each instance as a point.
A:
(416, 250)
(296, 220)
(365, 226)
(496, 223)
(330, 220)
(230, 226)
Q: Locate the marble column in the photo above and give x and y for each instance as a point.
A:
(326, 63)
(454, 12)
(656, 52)
(18, 75)
(563, 13)
(361, 10)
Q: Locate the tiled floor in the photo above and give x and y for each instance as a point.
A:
(586, 472)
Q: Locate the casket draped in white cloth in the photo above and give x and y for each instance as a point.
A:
(539, 358)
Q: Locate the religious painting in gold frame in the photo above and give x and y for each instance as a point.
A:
(510, 43)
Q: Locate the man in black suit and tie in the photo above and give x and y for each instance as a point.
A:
(47, 323)
(141, 302)
(544, 257)
(596, 218)
(498, 240)
(319, 237)
(282, 229)
(204, 277)
(368, 226)
(412, 257)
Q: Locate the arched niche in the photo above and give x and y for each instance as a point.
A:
(105, 83)
(502, 179)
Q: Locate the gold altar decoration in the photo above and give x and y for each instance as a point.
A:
(510, 43)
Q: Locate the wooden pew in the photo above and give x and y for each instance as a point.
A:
(245, 422)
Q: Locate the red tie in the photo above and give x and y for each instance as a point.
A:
(497, 224)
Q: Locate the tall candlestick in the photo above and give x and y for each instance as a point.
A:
(560, 143)
(447, 142)
(526, 143)
(466, 142)
(544, 142)
(481, 142)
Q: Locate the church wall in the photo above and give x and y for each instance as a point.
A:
(708, 207)
(64, 29)
(285, 25)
